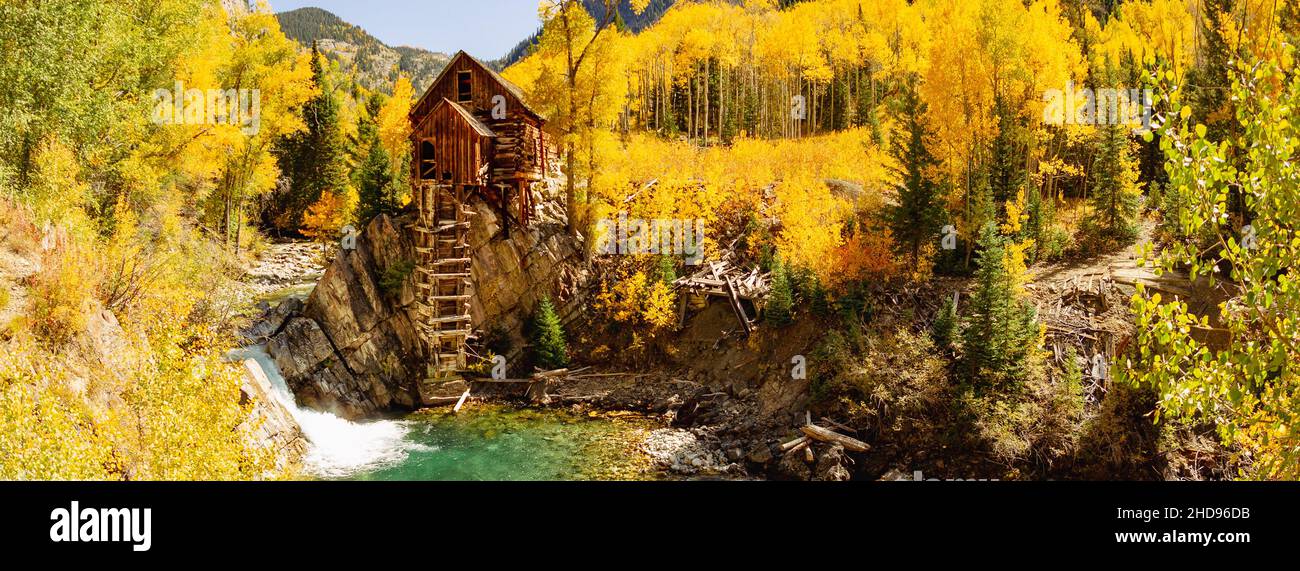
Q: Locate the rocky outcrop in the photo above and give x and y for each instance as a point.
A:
(511, 275)
(353, 349)
(270, 424)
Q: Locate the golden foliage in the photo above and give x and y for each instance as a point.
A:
(62, 294)
(785, 180)
(647, 305)
(328, 215)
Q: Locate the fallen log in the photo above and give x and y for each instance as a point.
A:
(818, 433)
(602, 375)
(838, 426)
(550, 374)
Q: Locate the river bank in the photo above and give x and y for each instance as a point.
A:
(345, 347)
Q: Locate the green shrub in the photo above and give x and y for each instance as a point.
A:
(944, 328)
(667, 269)
(392, 279)
(62, 294)
(894, 385)
(1004, 426)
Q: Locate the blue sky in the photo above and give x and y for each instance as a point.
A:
(487, 29)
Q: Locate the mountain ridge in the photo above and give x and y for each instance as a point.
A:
(627, 19)
(377, 64)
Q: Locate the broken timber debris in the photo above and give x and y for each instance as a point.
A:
(730, 281)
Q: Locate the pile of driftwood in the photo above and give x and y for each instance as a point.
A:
(729, 280)
(813, 433)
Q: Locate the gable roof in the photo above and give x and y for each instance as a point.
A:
(474, 122)
(505, 83)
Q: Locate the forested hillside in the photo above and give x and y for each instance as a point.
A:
(627, 19)
(143, 145)
(375, 65)
(990, 139)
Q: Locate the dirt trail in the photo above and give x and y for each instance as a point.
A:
(1123, 262)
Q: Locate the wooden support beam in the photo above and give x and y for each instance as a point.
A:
(739, 309)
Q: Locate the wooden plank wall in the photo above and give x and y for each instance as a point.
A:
(515, 157)
(485, 87)
(517, 154)
(458, 149)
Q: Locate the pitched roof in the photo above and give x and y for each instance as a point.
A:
(507, 84)
(474, 122)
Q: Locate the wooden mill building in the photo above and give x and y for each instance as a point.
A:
(472, 133)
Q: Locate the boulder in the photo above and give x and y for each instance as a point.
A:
(793, 466)
(761, 454)
(831, 465)
(271, 322)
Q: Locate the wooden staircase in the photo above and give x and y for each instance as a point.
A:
(442, 277)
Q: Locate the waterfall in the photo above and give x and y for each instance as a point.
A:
(339, 448)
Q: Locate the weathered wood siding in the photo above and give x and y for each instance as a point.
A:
(517, 153)
(460, 152)
(483, 88)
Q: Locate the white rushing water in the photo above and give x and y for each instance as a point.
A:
(339, 447)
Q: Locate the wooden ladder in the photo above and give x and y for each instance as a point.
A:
(442, 277)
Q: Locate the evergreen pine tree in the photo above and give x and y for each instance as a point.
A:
(1007, 173)
(1211, 81)
(1000, 336)
(917, 216)
(981, 211)
(549, 347)
(377, 185)
(374, 184)
(1039, 226)
(1115, 194)
(781, 298)
(314, 159)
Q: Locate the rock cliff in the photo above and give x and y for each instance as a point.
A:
(352, 349)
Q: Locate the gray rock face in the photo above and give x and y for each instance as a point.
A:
(512, 275)
(271, 322)
(353, 348)
(270, 424)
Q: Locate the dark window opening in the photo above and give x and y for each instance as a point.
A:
(464, 87)
(428, 167)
